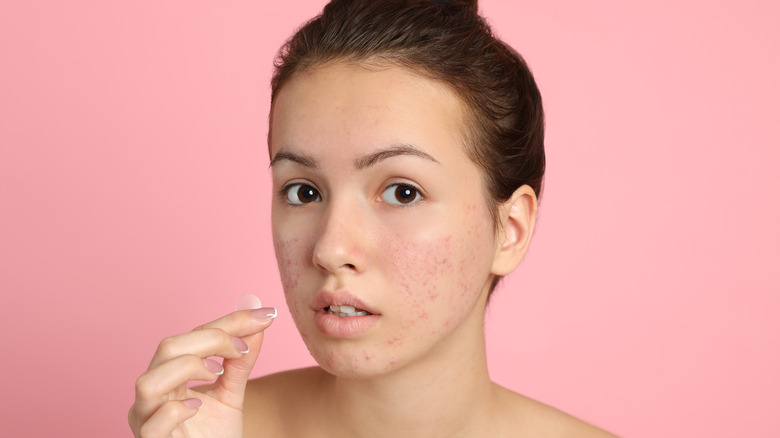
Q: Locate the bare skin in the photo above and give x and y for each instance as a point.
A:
(289, 404)
(421, 371)
(378, 208)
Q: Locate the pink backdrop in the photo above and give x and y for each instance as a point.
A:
(134, 198)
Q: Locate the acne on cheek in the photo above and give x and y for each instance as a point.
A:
(289, 265)
(419, 265)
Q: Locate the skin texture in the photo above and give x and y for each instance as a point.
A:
(424, 267)
(352, 135)
(412, 263)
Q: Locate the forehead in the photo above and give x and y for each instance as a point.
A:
(346, 106)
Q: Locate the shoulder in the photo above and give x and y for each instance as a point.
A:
(285, 385)
(534, 418)
(270, 401)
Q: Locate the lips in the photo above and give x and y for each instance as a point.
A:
(324, 300)
(342, 315)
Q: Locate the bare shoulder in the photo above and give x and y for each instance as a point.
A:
(270, 400)
(532, 418)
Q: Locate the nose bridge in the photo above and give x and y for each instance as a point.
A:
(340, 244)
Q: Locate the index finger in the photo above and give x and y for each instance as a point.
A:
(243, 322)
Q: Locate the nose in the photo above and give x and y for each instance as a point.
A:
(341, 244)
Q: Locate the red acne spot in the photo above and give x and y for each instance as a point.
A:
(366, 356)
(464, 288)
(395, 340)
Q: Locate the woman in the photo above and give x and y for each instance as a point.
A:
(406, 147)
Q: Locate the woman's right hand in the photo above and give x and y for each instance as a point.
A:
(164, 405)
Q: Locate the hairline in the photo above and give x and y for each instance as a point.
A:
(468, 126)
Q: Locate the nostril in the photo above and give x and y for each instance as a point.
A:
(350, 266)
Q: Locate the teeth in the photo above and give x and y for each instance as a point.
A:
(344, 311)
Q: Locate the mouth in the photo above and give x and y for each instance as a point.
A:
(345, 311)
(341, 315)
(342, 304)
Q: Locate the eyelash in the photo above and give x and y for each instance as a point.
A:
(418, 195)
(285, 193)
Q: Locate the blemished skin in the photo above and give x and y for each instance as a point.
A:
(420, 263)
(376, 197)
(376, 205)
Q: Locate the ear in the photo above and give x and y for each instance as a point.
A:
(517, 218)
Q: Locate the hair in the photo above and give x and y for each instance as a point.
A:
(448, 42)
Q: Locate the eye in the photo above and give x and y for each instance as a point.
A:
(401, 194)
(299, 194)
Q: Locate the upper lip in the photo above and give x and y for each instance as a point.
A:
(326, 298)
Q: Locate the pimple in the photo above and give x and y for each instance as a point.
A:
(395, 340)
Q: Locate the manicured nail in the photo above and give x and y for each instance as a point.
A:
(214, 366)
(193, 403)
(264, 314)
(248, 301)
(240, 345)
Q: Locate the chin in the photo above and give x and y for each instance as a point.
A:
(350, 359)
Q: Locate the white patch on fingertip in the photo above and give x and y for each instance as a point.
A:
(248, 301)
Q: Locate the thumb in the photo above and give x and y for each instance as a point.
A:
(230, 386)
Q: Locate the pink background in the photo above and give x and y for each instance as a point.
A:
(134, 197)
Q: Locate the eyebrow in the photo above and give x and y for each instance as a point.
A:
(393, 151)
(360, 163)
(303, 160)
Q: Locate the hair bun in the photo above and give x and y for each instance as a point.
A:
(471, 4)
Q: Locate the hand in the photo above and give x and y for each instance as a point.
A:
(165, 407)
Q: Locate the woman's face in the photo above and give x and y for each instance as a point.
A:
(377, 207)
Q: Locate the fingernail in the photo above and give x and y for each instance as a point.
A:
(240, 345)
(264, 314)
(248, 301)
(193, 403)
(214, 366)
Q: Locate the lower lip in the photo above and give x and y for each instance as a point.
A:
(344, 327)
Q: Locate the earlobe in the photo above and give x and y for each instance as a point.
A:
(517, 220)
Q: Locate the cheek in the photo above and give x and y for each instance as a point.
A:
(291, 260)
(288, 258)
(444, 271)
(415, 265)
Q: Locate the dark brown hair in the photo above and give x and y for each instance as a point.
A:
(449, 42)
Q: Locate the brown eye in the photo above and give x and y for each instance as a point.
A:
(400, 194)
(299, 194)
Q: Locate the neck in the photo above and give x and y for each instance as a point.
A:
(447, 393)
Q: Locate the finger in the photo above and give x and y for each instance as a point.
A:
(229, 388)
(242, 322)
(231, 385)
(203, 342)
(153, 387)
(168, 417)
